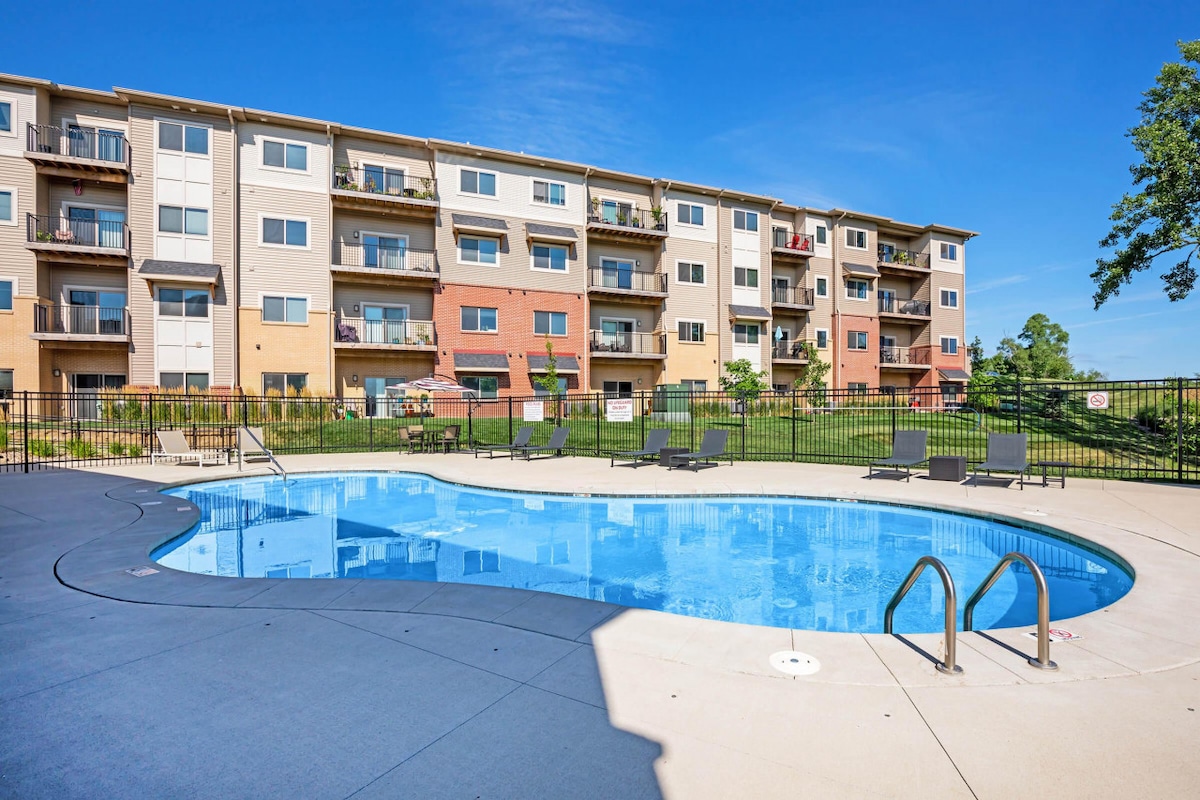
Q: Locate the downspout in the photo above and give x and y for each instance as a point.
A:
(662, 313)
(235, 266)
(767, 286)
(721, 329)
(586, 379)
(333, 387)
(438, 366)
(836, 319)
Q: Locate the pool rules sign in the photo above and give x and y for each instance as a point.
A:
(619, 409)
(1097, 401)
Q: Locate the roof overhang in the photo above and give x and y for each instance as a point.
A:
(748, 312)
(156, 271)
(556, 234)
(954, 374)
(565, 364)
(484, 226)
(859, 270)
(481, 362)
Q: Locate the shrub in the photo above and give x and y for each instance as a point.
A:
(78, 448)
(3, 436)
(41, 448)
(116, 449)
(134, 451)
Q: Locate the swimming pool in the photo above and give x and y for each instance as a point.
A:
(776, 561)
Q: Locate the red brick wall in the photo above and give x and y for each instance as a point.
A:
(856, 366)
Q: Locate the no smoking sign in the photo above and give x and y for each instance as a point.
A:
(1097, 400)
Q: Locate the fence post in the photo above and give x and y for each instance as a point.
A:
(25, 427)
(1179, 428)
(371, 429)
(644, 415)
(795, 411)
(744, 406)
(598, 412)
(1019, 404)
(150, 422)
(510, 419)
(321, 411)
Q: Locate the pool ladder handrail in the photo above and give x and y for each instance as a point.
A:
(1042, 661)
(270, 456)
(946, 665)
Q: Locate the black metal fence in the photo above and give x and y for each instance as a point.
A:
(1141, 429)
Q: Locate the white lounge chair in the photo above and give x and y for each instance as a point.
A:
(174, 446)
(252, 445)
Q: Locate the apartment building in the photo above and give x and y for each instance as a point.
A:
(150, 240)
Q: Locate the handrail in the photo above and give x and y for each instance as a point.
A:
(1043, 604)
(947, 664)
(262, 445)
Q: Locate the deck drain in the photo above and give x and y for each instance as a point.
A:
(793, 662)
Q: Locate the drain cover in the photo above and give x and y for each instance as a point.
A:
(793, 662)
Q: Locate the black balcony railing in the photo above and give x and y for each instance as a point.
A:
(96, 144)
(400, 332)
(792, 295)
(904, 355)
(789, 351)
(76, 232)
(788, 239)
(602, 277)
(622, 215)
(627, 342)
(889, 255)
(81, 320)
(384, 257)
(891, 304)
(389, 182)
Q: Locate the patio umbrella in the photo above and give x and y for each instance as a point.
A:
(431, 385)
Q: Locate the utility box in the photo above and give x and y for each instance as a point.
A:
(671, 403)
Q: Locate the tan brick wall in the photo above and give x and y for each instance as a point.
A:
(390, 365)
(17, 351)
(276, 347)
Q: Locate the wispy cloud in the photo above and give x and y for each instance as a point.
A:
(996, 283)
(1114, 320)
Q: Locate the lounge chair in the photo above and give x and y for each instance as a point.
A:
(524, 434)
(251, 445)
(908, 451)
(449, 438)
(656, 440)
(558, 440)
(712, 447)
(1006, 452)
(411, 440)
(174, 446)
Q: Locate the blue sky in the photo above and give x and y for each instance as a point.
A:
(1005, 118)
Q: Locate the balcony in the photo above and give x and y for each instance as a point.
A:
(627, 283)
(903, 309)
(627, 345)
(82, 324)
(75, 152)
(785, 352)
(796, 297)
(89, 239)
(904, 358)
(376, 262)
(357, 333)
(906, 261)
(786, 242)
(386, 190)
(622, 221)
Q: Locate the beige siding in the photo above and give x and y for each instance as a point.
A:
(62, 194)
(15, 261)
(345, 223)
(353, 151)
(274, 269)
(63, 276)
(644, 316)
(88, 112)
(419, 302)
(515, 262)
(639, 195)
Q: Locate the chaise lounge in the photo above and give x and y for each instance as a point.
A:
(712, 447)
(1006, 452)
(524, 434)
(908, 451)
(174, 446)
(656, 440)
(251, 445)
(558, 440)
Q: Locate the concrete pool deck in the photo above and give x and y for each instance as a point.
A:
(180, 684)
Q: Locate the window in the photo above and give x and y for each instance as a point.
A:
(183, 138)
(745, 333)
(857, 388)
(191, 381)
(857, 289)
(551, 257)
(479, 319)
(822, 338)
(472, 181)
(478, 251)
(822, 235)
(183, 303)
(192, 221)
(822, 287)
(690, 272)
(548, 193)
(540, 391)
(949, 298)
(613, 212)
(690, 331)
(745, 220)
(856, 238)
(6, 121)
(284, 155)
(285, 232)
(8, 206)
(285, 309)
(6, 295)
(483, 386)
(690, 214)
(550, 323)
(949, 252)
(618, 388)
(695, 386)
(949, 345)
(284, 383)
(6, 383)
(856, 340)
(382, 180)
(745, 276)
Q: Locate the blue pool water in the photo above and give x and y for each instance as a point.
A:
(784, 562)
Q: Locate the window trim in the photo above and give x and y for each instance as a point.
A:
(941, 295)
(262, 155)
(679, 217)
(866, 235)
(461, 329)
(11, 102)
(866, 297)
(480, 170)
(860, 336)
(363, 164)
(263, 380)
(733, 212)
(703, 264)
(817, 286)
(566, 270)
(533, 179)
(479, 392)
(16, 200)
(691, 382)
(458, 250)
(820, 235)
(817, 338)
(13, 280)
(566, 323)
(943, 246)
(183, 287)
(7, 393)
(757, 278)
(185, 374)
(158, 220)
(308, 230)
(186, 124)
(307, 298)
(747, 325)
(942, 341)
(703, 331)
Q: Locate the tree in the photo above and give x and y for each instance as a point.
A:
(1039, 352)
(548, 380)
(742, 380)
(1163, 218)
(977, 357)
(812, 380)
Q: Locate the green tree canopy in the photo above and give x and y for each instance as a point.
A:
(742, 380)
(1039, 352)
(1163, 218)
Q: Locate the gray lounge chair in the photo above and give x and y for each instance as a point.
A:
(656, 440)
(908, 451)
(712, 447)
(1006, 452)
(558, 440)
(524, 434)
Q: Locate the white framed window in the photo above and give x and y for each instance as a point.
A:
(550, 323)
(479, 320)
(476, 250)
(746, 277)
(949, 345)
(745, 220)
(746, 333)
(822, 235)
(822, 289)
(822, 335)
(278, 308)
(856, 340)
(8, 205)
(485, 387)
(183, 138)
(549, 257)
(856, 239)
(549, 193)
(283, 232)
(191, 303)
(949, 298)
(949, 251)
(693, 385)
(284, 383)
(6, 116)
(6, 384)
(857, 388)
(8, 288)
(177, 219)
(691, 330)
(188, 381)
(474, 181)
(689, 272)
(690, 214)
(380, 179)
(279, 154)
(857, 289)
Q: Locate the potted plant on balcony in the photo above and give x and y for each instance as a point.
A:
(426, 191)
(900, 257)
(657, 213)
(621, 218)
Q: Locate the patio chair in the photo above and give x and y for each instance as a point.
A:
(251, 445)
(174, 446)
(656, 440)
(1006, 452)
(908, 451)
(346, 333)
(712, 447)
(524, 434)
(410, 440)
(558, 439)
(450, 438)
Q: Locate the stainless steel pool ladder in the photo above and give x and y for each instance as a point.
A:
(1043, 604)
(266, 452)
(946, 665)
